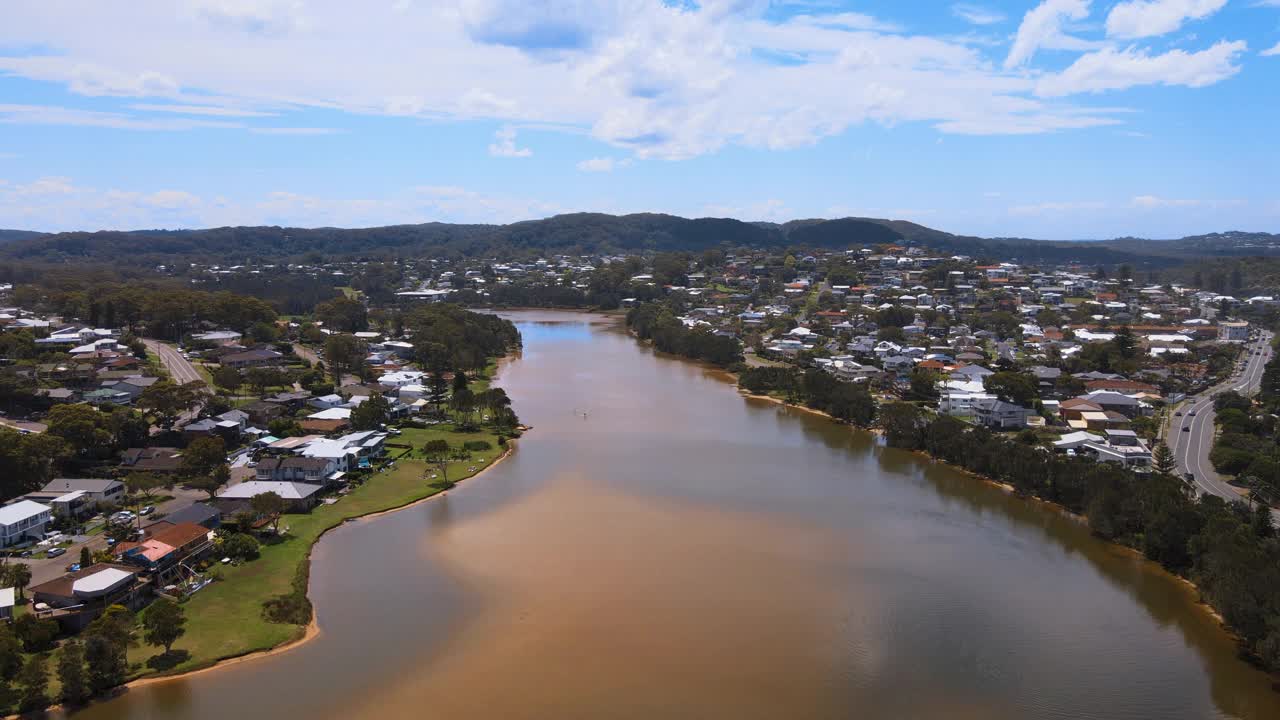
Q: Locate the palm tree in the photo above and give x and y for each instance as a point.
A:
(20, 576)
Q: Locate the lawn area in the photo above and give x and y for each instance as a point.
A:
(225, 619)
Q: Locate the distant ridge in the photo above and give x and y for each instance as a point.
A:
(12, 235)
(589, 233)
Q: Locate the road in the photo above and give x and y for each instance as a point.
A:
(1191, 446)
(180, 369)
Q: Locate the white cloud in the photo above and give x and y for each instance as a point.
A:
(206, 110)
(1050, 208)
(296, 131)
(648, 77)
(1112, 69)
(1151, 202)
(55, 115)
(602, 164)
(1271, 52)
(1042, 27)
(1148, 18)
(977, 14)
(58, 203)
(504, 144)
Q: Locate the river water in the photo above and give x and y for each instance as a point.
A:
(683, 552)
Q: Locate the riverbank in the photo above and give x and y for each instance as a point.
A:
(1008, 488)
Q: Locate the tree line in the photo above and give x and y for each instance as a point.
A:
(656, 322)
(1228, 549)
(847, 402)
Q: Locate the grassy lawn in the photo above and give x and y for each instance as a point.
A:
(225, 619)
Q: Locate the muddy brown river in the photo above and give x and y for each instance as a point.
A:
(683, 552)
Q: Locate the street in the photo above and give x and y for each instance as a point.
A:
(180, 369)
(1191, 448)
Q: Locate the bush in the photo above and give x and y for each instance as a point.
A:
(240, 547)
(477, 445)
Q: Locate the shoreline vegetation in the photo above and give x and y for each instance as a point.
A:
(259, 605)
(309, 632)
(1215, 548)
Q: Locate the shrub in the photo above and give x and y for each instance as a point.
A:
(240, 547)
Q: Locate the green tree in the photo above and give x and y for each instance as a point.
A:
(71, 673)
(1012, 386)
(343, 353)
(268, 505)
(19, 575)
(86, 557)
(34, 680)
(82, 426)
(1163, 459)
(144, 483)
(163, 623)
(342, 314)
(211, 482)
(203, 455)
(167, 400)
(437, 453)
(227, 377)
(35, 634)
(106, 642)
(371, 414)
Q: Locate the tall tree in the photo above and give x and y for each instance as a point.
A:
(371, 414)
(343, 353)
(71, 673)
(1163, 459)
(164, 622)
(269, 505)
(34, 680)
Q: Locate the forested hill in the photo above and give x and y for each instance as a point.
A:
(12, 235)
(589, 233)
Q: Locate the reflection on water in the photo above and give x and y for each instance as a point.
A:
(683, 552)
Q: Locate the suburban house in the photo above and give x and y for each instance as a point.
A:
(1121, 446)
(251, 358)
(77, 499)
(152, 459)
(312, 470)
(96, 489)
(205, 516)
(1001, 415)
(298, 497)
(22, 521)
(76, 598)
(164, 546)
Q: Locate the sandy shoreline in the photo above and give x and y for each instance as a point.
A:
(312, 630)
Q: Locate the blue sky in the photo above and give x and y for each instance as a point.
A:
(1051, 118)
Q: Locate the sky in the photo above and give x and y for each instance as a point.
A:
(1057, 119)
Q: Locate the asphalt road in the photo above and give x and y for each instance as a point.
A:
(1191, 447)
(180, 369)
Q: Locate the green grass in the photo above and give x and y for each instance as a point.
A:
(225, 620)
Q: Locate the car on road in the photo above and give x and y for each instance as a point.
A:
(1192, 413)
(1191, 477)
(55, 552)
(1178, 414)
(1186, 429)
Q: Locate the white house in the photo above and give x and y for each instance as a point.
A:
(23, 520)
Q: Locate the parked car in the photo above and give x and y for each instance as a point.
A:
(122, 517)
(147, 510)
(55, 552)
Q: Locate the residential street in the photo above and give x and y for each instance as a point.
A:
(1191, 448)
(180, 369)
